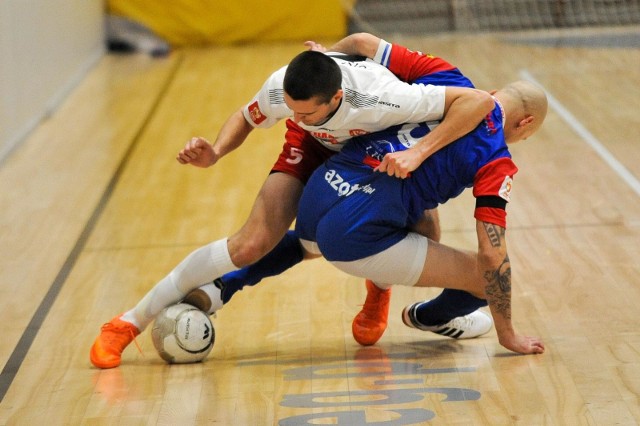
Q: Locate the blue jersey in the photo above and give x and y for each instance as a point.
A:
(353, 212)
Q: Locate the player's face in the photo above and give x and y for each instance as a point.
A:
(311, 112)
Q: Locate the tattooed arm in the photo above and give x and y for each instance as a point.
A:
(495, 270)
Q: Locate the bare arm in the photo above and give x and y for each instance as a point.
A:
(200, 153)
(363, 44)
(495, 269)
(464, 109)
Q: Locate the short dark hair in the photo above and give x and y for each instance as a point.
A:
(312, 74)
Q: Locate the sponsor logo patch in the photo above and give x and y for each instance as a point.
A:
(505, 188)
(256, 115)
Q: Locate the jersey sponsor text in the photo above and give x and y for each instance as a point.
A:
(345, 188)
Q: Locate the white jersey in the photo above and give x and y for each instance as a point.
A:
(374, 99)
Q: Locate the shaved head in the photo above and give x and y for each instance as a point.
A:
(525, 106)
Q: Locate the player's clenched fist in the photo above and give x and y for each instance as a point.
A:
(399, 164)
(198, 152)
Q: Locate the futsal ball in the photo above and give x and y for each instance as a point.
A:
(182, 334)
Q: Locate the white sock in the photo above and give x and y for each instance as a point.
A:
(199, 267)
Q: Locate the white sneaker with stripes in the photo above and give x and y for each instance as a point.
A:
(469, 326)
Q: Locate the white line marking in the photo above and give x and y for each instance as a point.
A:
(591, 140)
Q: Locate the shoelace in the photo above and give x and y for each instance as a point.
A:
(371, 302)
(461, 322)
(112, 336)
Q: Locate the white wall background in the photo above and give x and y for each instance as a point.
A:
(46, 49)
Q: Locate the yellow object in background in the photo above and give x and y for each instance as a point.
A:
(201, 22)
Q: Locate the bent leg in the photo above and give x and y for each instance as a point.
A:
(273, 212)
(287, 253)
(271, 215)
(413, 262)
(370, 323)
(203, 263)
(197, 268)
(262, 247)
(450, 303)
(446, 267)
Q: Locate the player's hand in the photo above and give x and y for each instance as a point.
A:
(316, 47)
(197, 152)
(399, 164)
(522, 344)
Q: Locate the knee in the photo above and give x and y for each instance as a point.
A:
(247, 250)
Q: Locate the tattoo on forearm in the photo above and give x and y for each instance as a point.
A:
(494, 232)
(498, 288)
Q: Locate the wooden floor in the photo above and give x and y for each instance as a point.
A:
(94, 210)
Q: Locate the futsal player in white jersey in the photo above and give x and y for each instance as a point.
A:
(454, 313)
(330, 99)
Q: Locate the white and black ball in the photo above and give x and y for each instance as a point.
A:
(183, 334)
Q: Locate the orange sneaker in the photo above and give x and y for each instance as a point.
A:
(115, 335)
(371, 322)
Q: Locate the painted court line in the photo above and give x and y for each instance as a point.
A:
(586, 136)
(10, 370)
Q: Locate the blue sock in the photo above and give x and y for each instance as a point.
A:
(448, 305)
(287, 253)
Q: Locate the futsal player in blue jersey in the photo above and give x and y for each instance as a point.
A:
(358, 218)
(370, 323)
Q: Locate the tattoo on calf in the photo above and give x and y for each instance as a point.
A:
(498, 288)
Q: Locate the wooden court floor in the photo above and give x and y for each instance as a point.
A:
(94, 210)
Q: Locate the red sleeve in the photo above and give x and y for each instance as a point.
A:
(492, 189)
(408, 65)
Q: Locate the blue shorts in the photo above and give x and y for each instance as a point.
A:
(350, 211)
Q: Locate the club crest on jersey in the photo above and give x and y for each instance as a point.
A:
(505, 188)
(256, 115)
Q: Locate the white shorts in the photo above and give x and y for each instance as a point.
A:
(400, 264)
